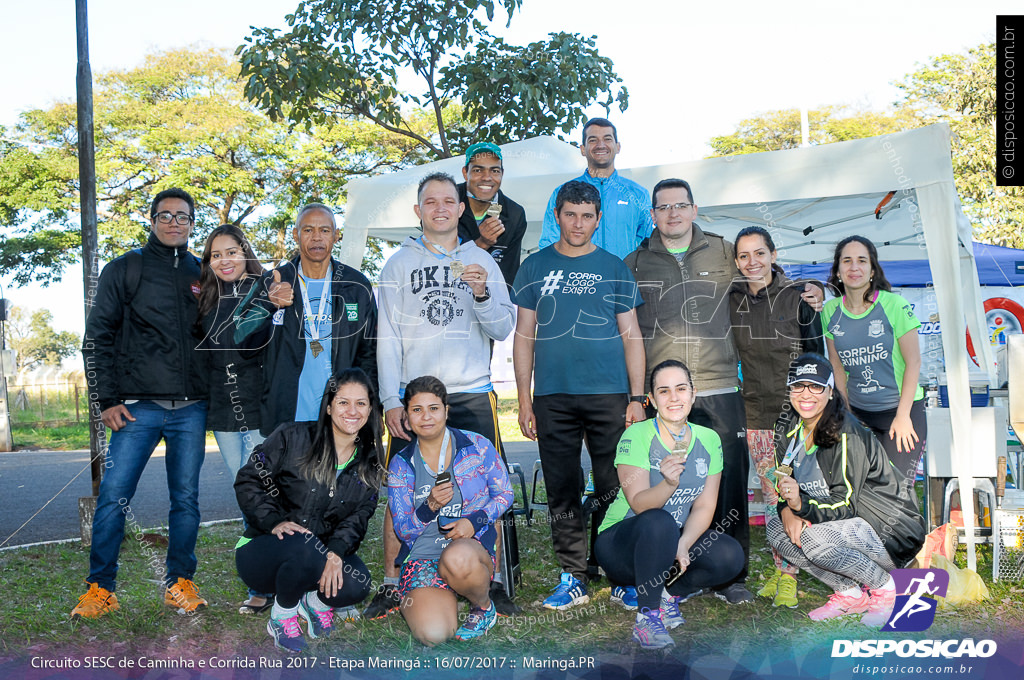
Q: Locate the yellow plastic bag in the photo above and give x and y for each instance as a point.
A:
(965, 586)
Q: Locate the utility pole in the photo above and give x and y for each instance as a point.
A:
(7, 367)
(90, 260)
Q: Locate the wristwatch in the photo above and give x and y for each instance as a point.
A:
(483, 298)
(638, 398)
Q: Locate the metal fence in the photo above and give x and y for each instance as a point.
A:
(51, 404)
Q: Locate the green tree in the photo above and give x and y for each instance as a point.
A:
(179, 119)
(35, 341)
(960, 89)
(776, 130)
(344, 58)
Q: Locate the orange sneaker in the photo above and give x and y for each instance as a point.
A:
(183, 596)
(95, 603)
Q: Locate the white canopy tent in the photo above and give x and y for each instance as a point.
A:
(809, 198)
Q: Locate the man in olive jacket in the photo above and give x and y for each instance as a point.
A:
(684, 275)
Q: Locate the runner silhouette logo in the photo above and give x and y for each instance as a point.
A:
(916, 590)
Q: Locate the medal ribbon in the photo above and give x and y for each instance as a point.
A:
(314, 328)
(678, 438)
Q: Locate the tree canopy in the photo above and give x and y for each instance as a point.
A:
(178, 119)
(346, 58)
(36, 342)
(958, 89)
(776, 130)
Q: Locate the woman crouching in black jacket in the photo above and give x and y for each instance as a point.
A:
(307, 494)
(843, 515)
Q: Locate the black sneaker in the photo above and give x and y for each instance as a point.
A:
(502, 602)
(735, 593)
(384, 602)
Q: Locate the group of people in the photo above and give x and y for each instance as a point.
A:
(674, 355)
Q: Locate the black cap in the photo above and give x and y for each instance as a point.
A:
(812, 368)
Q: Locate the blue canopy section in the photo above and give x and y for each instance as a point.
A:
(997, 266)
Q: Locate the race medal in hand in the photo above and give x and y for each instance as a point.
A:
(458, 269)
(494, 209)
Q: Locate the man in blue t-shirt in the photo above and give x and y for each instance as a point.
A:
(625, 219)
(577, 337)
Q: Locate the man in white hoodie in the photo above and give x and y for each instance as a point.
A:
(441, 304)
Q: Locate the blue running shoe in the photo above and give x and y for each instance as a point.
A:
(321, 622)
(624, 596)
(649, 630)
(670, 614)
(569, 593)
(477, 623)
(287, 634)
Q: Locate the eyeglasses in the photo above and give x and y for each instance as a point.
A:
(813, 388)
(167, 217)
(665, 207)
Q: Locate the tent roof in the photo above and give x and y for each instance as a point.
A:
(810, 198)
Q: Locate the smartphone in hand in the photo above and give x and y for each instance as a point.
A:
(675, 572)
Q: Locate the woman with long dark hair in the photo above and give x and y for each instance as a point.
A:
(771, 323)
(228, 274)
(307, 493)
(844, 514)
(446, 490)
(872, 343)
(657, 535)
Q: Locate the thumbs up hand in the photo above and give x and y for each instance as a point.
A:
(281, 294)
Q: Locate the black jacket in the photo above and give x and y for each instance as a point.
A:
(353, 340)
(863, 483)
(145, 350)
(771, 329)
(507, 251)
(235, 372)
(270, 490)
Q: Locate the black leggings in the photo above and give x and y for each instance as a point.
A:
(640, 550)
(879, 423)
(293, 565)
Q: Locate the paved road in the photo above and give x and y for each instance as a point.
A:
(40, 489)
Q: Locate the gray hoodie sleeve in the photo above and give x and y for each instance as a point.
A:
(496, 315)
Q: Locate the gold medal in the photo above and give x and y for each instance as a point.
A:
(786, 470)
(494, 209)
(316, 348)
(458, 269)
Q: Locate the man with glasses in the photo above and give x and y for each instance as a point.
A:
(146, 378)
(625, 220)
(684, 275)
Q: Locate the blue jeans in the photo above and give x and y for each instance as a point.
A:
(184, 433)
(235, 448)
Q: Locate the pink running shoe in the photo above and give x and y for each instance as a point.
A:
(880, 604)
(840, 605)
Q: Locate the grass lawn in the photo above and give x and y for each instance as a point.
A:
(76, 436)
(43, 583)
